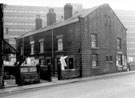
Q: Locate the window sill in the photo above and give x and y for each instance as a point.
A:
(96, 48)
(69, 70)
(41, 53)
(59, 51)
(109, 61)
(95, 67)
(31, 53)
(119, 49)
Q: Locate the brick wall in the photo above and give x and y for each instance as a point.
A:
(76, 41)
(107, 41)
(71, 43)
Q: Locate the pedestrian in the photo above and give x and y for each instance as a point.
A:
(128, 66)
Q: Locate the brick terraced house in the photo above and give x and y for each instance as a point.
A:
(94, 41)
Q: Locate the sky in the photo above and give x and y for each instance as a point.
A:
(115, 4)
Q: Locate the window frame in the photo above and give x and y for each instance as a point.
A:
(120, 62)
(94, 61)
(41, 43)
(60, 44)
(119, 43)
(32, 47)
(93, 40)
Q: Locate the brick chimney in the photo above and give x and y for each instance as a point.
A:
(51, 17)
(38, 22)
(68, 11)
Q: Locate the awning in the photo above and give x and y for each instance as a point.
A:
(8, 49)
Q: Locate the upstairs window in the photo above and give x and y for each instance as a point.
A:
(93, 40)
(119, 43)
(32, 47)
(60, 44)
(107, 20)
(41, 45)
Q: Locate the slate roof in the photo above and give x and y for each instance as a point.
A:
(73, 19)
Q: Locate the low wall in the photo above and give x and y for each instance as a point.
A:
(29, 74)
(70, 73)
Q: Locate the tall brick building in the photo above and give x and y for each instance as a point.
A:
(94, 41)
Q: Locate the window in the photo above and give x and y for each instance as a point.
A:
(94, 60)
(71, 63)
(108, 58)
(42, 61)
(119, 59)
(93, 40)
(118, 43)
(32, 47)
(60, 44)
(41, 47)
(107, 20)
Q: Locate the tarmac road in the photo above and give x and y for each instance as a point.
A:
(121, 86)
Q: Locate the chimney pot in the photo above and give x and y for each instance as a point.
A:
(68, 11)
(51, 17)
(38, 22)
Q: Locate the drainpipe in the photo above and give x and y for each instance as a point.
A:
(52, 45)
(23, 46)
(52, 59)
(81, 30)
(1, 47)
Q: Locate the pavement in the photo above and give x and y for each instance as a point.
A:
(56, 82)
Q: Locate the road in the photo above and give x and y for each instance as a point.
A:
(122, 86)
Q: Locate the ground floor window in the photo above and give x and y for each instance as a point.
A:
(71, 63)
(42, 62)
(67, 62)
(94, 60)
(119, 59)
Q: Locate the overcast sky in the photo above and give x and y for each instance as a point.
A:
(115, 4)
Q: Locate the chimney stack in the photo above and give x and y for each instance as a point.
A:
(38, 21)
(51, 17)
(68, 11)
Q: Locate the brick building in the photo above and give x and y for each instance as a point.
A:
(94, 41)
(21, 19)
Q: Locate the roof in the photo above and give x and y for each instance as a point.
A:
(8, 49)
(73, 19)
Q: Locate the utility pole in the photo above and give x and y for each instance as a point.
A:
(1, 47)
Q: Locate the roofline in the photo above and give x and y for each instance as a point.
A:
(57, 25)
(116, 16)
(53, 26)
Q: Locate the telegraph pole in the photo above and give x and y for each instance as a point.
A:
(1, 47)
